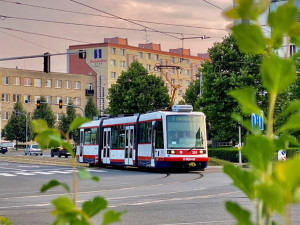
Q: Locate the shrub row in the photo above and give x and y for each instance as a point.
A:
(232, 155)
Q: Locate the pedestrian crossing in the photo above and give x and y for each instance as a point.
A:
(33, 173)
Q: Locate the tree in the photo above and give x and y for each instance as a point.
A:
(136, 91)
(15, 128)
(66, 120)
(45, 112)
(90, 109)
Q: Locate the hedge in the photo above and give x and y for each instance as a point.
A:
(232, 155)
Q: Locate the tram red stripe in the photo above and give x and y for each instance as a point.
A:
(183, 159)
(148, 158)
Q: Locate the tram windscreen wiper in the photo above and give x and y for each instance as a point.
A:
(194, 148)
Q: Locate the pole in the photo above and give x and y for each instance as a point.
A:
(0, 121)
(200, 83)
(240, 144)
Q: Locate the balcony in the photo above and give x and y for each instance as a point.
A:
(89, 92)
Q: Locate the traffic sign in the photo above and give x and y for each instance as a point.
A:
(258, 120)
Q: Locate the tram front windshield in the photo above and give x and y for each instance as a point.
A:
(185, 132)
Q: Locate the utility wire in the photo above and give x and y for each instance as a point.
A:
(27, 41)
(45, 35)
(3, 17)
(121, 18)
(213, 5)
(110, 17)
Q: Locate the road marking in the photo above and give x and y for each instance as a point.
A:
(7, 174)
(24, 173)
(45, 173)
(204, 222)
(63, 172)
(30, 166)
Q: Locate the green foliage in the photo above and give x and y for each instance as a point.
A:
(136, 91)
(272, 187)
(5, 221)
(65, 208)
(15, 128)
(90, 109)
(45, 112)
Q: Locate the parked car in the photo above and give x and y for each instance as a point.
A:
(3, 149)
(33, 150)
(60, 151)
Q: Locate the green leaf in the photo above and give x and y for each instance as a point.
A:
(93, 207)
(272, 196)
(246, 123)
(63, 204)
(111, 216)
(242, 216)
(85, 175)
(250, 38)
(52, 184)
(49, 138)
(233, 13)
(77, 123)
(39, 125)
(259, 151)
(5, 221)
(277, 74)
(246, 98)
(69, 147)
(243, 179)
(292, 124)
(283, 141)
(294, 106)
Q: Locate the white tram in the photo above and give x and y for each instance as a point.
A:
(162, 139)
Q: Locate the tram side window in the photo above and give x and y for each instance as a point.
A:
(94, 136)
(145, 132)
(159, 142)
(118, 137)
(87, 136)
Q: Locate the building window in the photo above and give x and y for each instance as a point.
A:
(187, 72)
(148, 55)
(48, 99)
(179, 71)
(173, 70)
(5, 97)
(5, 80)
(77, 101)
(180, 60)
(58, 117)
(173, 81)
(5, 115)
(27, 98)
(77, 85)
(180, 82)
(56, 100)
(172, 59)
(122, 51)
(113, 51)
(148, 67)
(57, 84)
(156, 68)
(156, 57)
(113, 62)
(180, 92)
(187, 83)
(140, 55)
(27, 81)
(38, 82)
(16, 81)
(113, 75)
(187, 61)
(37, 97)
(48, 83)
(67, 100)
(122, 64)
(89, 86)
(292, 50)
(16, 98)
(67, 84)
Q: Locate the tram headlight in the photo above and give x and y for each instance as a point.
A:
(202, 152)
(171, 152)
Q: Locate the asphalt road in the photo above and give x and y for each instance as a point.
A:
(149, 197)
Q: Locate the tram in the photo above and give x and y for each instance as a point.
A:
(162, 139)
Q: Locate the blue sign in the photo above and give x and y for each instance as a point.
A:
(97, 53)
(258, 120)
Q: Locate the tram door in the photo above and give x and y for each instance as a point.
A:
(106, 145)
(129, 145)
(153, 138)
(81, 146)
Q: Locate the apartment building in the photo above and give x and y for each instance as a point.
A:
(107, 60)
(28, 86)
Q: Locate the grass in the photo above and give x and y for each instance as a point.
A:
(217, 162)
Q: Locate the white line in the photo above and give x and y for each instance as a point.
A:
(7, 175)
(97, 171)
(22, 206)
(24, 173)
(30, 166)
(204, 222)
(56, 171)
(45, 173)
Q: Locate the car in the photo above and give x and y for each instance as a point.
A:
(3, 149)
(33, 150)
(60, 151)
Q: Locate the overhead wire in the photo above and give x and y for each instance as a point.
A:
(111, 17)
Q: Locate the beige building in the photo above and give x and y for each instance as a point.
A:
(28, 86)
(107, 60)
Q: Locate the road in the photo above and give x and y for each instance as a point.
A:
(149, 197)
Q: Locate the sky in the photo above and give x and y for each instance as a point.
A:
(25, 32)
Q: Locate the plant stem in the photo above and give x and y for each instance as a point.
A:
(288, 217)
(272, 100)
(74, 181)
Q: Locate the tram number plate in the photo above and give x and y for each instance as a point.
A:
(189, 159)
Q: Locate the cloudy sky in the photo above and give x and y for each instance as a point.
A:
(24, 29)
